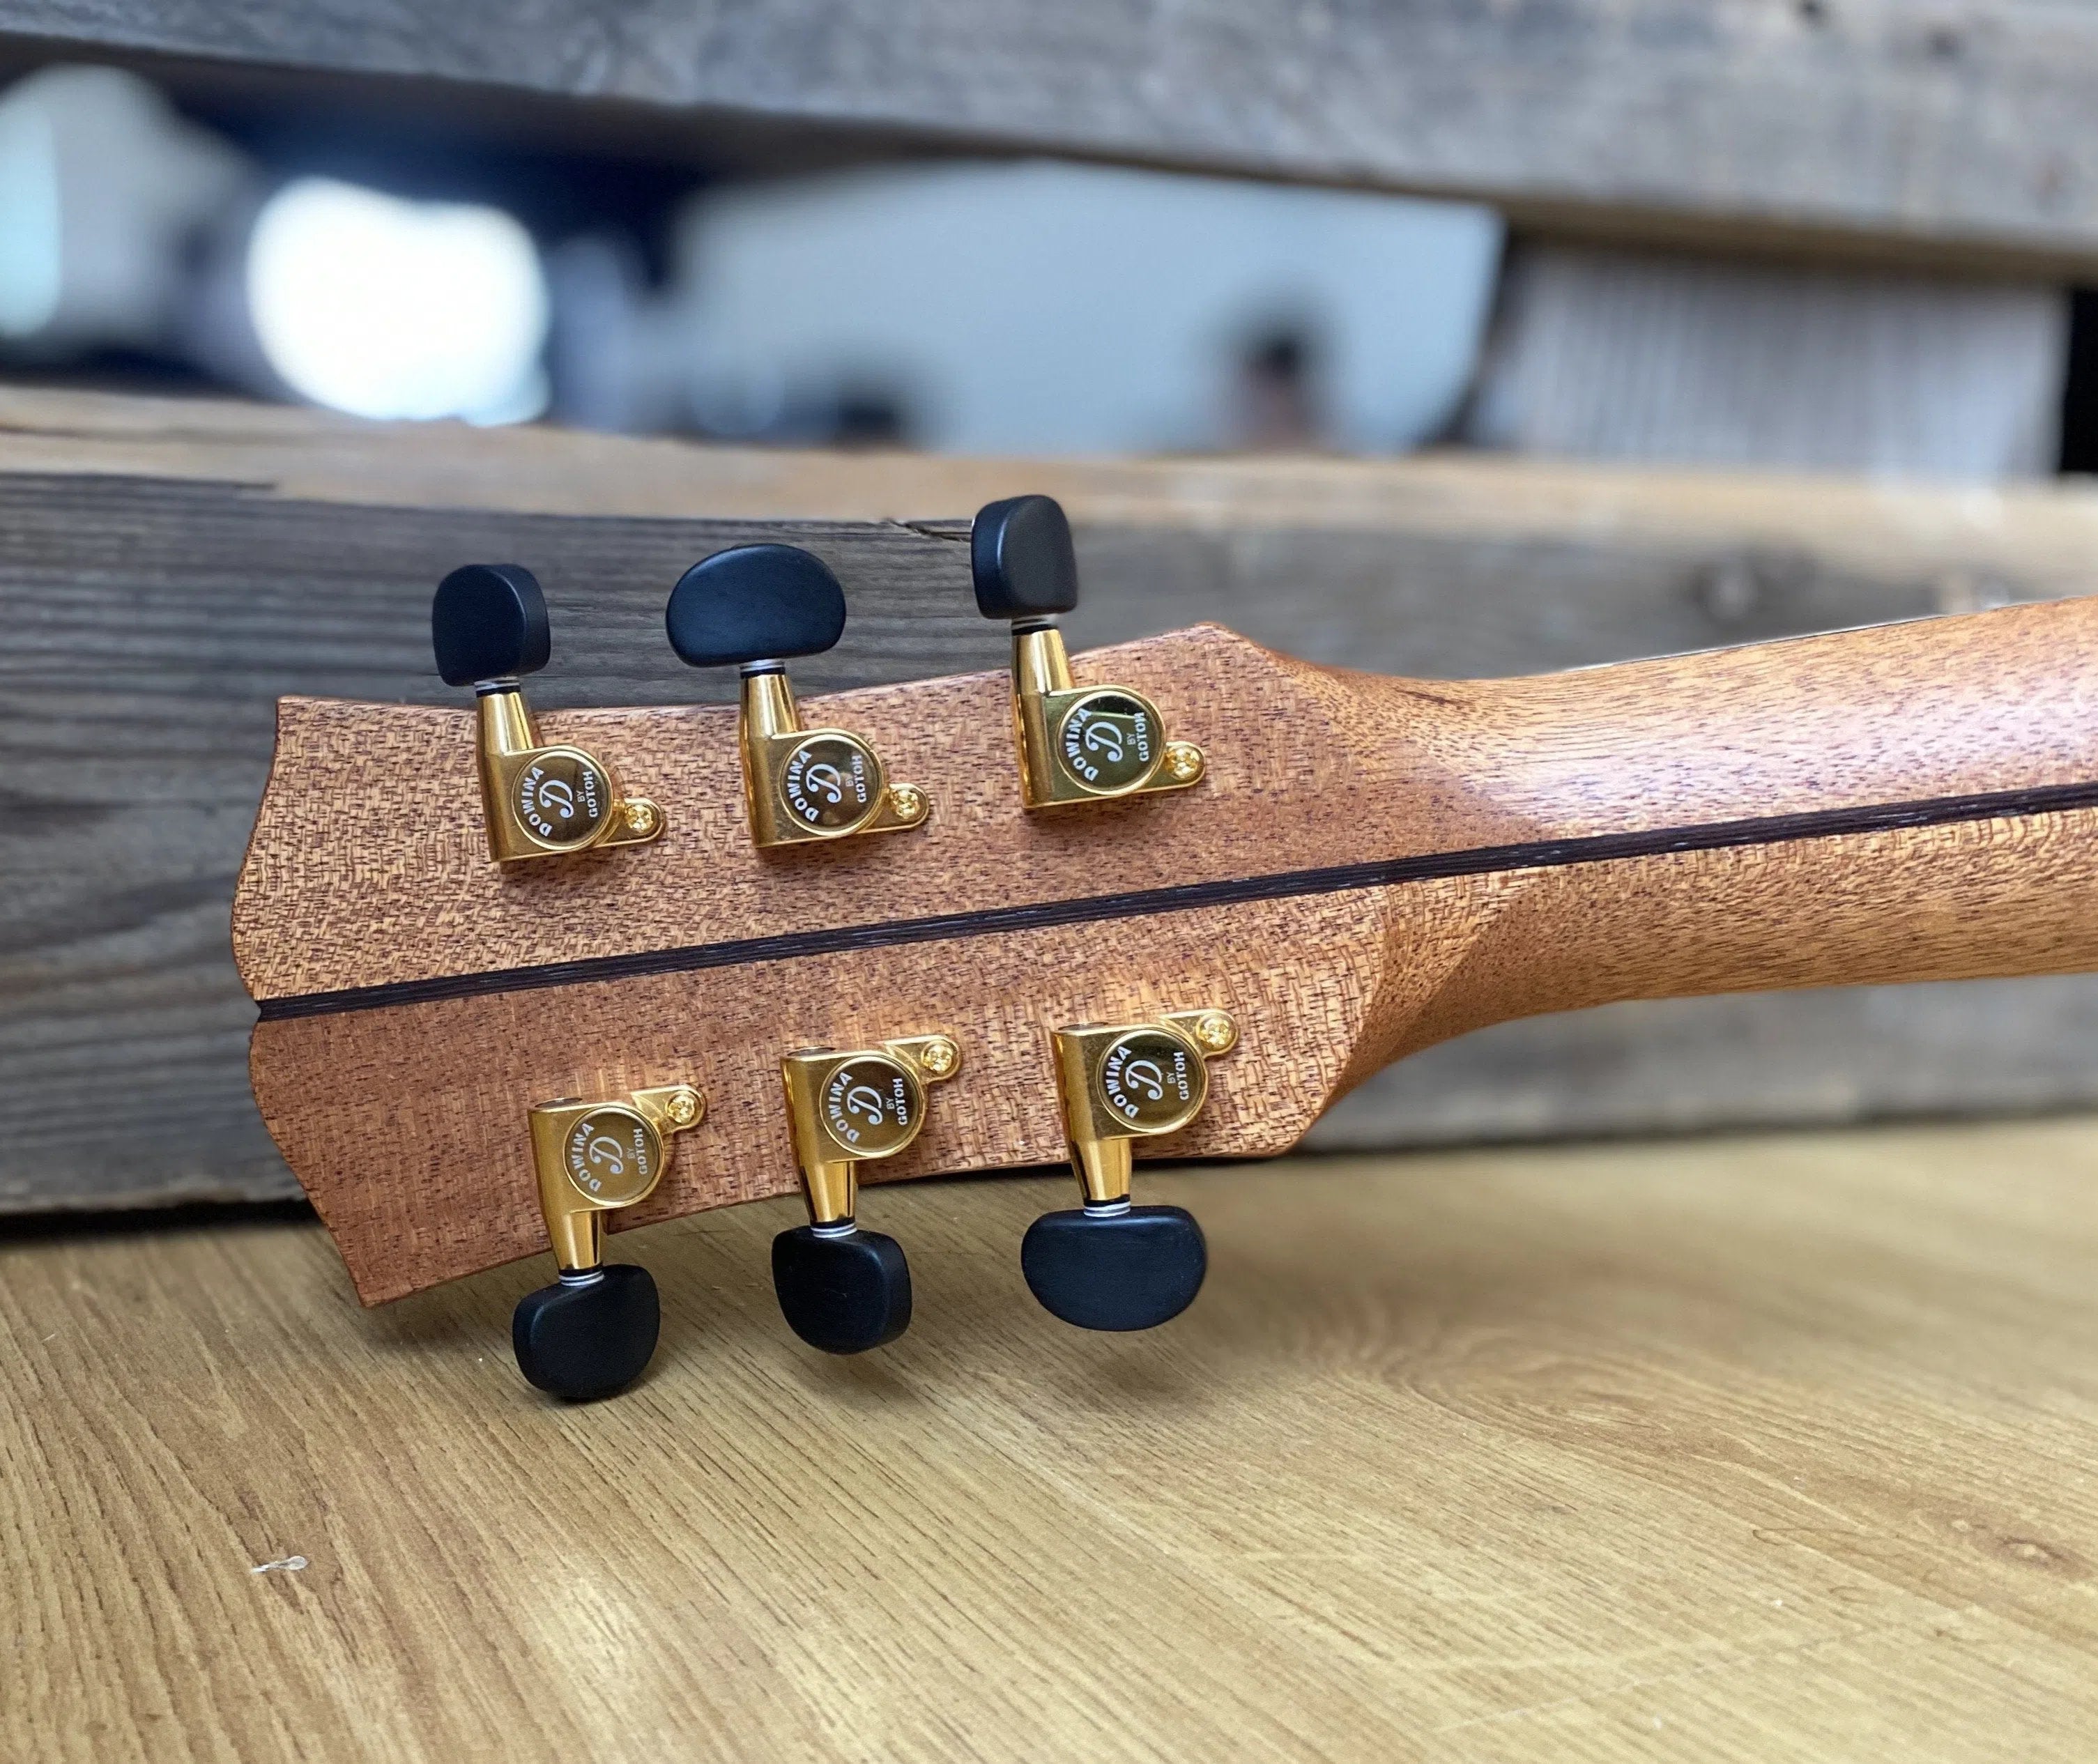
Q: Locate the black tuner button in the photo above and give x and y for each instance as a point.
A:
(1020, 555)
(1132, 1270)
(757, 602)
(587, 1339)
(489, 622)
(844, 1293)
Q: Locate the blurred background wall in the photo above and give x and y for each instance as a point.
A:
(969, 307)
(1027, 307)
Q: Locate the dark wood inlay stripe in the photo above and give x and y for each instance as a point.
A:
(1483, 860)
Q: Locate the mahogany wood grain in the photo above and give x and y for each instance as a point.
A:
(407, 1125)
(368, 865)
(2009, 895)
(403, 1111)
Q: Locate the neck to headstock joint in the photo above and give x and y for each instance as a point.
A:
(1907, 802)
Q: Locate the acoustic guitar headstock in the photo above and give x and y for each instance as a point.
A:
(522, 978)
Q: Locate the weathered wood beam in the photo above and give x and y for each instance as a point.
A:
(169, 568)
(1657, 357)
(1957, 130)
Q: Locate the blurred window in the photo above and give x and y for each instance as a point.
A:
(387, 308)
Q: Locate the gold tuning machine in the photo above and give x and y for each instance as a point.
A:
(1110, 1265)
(489, 626)
(755, 606)
(1135, 1081)
(846, 1109)
(1076, 744)
(592, 1333)
(805, 784)
(595, 1158)
(842, 1289)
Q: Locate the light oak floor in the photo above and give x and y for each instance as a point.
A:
(1780, 1448)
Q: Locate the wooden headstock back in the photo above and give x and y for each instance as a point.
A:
(416, 998)
(1368, 865)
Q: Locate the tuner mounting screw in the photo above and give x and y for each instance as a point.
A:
(683, 1108)
(643, 817)
(1183, 761)
(1215, 1032)
(906, 802)
(937, 1056)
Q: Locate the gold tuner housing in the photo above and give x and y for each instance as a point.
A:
(595, 1158)
(755, 607)
(1076, 744)
(1087, 744)
(846, 1109)
(1124, 1082)
(805, 784)
(542, 801)
(489, 629)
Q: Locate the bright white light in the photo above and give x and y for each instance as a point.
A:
(391, 308)
(29, 254)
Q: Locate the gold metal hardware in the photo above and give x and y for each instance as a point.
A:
(1129, 1082)
(804, 784)
(547, 802)
(594, 1158)
(1087, 744)
(845, 1109)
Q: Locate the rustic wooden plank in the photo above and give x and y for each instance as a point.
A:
(1715, 1454)
(171, 568)
(1958, 129)
(1756, 1059)
(1666, 356)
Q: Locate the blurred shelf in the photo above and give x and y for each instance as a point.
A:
(1895, 132)
(1730, 1450)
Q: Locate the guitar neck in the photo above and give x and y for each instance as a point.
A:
(1902, 803)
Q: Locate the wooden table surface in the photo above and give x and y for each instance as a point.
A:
(1773, 1448)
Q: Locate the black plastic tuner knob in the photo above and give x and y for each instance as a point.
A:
(844, 1292)
(489, 622)
(756, 603)
(1133, 1269)
(588, 1338)
(1020, 555)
